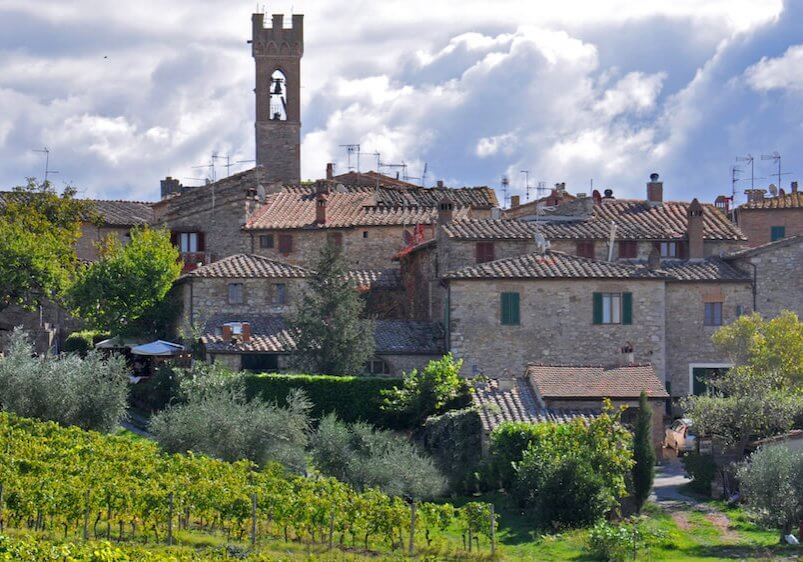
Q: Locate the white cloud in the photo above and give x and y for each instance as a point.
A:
(781, 73)
(489, 146)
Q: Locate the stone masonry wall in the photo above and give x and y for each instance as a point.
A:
(91, 235)
(556, 325)
(688, 340)
(779, 278)
(372, 251)
(644, 247)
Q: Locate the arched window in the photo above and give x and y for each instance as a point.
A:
(278, 96)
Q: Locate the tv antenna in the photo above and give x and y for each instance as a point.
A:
(46, 151)
(210, 167)
(505, 187)
(228, 165)
(749, 158)
(526, 183)
(776, 158)
(424, 175)
(352, 149)
(735, 171)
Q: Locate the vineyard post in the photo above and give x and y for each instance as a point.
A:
(493, 531)
(86, 515)
(1, 507)
(170, 520)
(412, 528)
(253, 520)
(331, 530)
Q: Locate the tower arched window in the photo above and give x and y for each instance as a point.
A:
(278, 96)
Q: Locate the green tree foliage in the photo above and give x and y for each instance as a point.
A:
(90, 392)
(752, 399)
(772, 484)
(434, 390)
(643, 453)
(366, 457)
(574, 473)
(218, 421)
(123, 290)
(702, 469)
(453, 439)
(331, 336)
(38, 231)
(508, 443)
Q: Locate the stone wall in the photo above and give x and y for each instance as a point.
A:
(454, 254)
(556, 325)
(91, 235)
(400, 364)
(419, 277)
(644, 247)
(369, 247)
(757, 223)
(688, 340)
(779, 282)
(278, 149)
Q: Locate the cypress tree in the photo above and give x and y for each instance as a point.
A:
(331, 336)
(643, 453)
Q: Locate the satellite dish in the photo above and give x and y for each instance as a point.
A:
(261, 193)
(541, 243)
(773, 189)
(340, 188)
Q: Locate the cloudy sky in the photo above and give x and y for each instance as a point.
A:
(124, 94)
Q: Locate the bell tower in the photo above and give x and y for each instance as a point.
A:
(277, 53)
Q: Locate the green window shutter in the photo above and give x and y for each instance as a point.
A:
(510, 309)
(597, 308)
(777, 232)
(627, 308)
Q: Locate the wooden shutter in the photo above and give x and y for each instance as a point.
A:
(285, 243)
(597, 308)
(174, 238)
(683, 249)
(585, 248)
(201, 242)
(627, 308)
(484, 252)
(510, 309)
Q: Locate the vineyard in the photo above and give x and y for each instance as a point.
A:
(82, 485)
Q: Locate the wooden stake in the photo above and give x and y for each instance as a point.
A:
(331, 530)
(253, 520)
(86, 515)
(1, 507)
(412, 528)
(170, 521)
(493, 531)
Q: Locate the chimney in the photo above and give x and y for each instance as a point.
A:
(609, 194)
(320, 208)
(245, 334)
(226, 332)
(794, 187)
(515, 201)
(694, 230)
(722, 202)
(628, 357)
(330, 170)
(440, 183)
(655, 190)
(169, 186)
(654, 259)
(596, 197)
(445, 210)
(755, 195)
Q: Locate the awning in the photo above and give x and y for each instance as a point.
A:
(158, 348)
(118, 342)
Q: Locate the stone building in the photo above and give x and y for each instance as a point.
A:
(777, 272)
(766, 219)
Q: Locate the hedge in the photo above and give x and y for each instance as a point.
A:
(350, 398)
(82, 342)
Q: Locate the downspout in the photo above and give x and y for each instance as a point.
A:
(192, 306)
(754, 285)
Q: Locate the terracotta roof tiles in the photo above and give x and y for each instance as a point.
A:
(792, 200)
(248, 266)
(584, 381)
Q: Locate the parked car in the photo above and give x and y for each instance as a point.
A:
(680, 437)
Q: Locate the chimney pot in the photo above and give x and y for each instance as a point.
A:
(246, 331)
(445, 211)
(320, 208)
(515, 201)
(794, 187)
(655, 190)
(694, 230)
(330, 170)
(440, 183)
(226, 332)
(608, 194)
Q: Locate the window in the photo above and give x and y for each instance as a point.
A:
(628, 248)
(777, 232)
(285, 243)
(188, 242)
(235, 293)
(613, 308)
(713, 314)
(365, 234)
(484, 252)
(701, 375)
(259, 362)
(377, 366)
(279, 294)
(585, 249)
(669, 249)
(335, 239)
(510, 314)
(266, 241)
(739, 310)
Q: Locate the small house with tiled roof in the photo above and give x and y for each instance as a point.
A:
(766, 218)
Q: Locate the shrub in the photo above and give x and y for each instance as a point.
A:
(352, 399)
(160, 390)
(772, 484)
(617, 543)
(88, 392)
(221, 423)
(643, 453)
(366, 457)
(453, 440)
(82, 342)
(702, 469)
(508, 443)
(436, 389)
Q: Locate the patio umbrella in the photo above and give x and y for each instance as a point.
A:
(158, 348)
